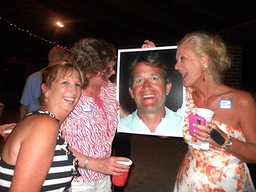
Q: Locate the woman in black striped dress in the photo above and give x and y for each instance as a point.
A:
(35, 157)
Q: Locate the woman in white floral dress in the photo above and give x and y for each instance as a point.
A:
(201, 60)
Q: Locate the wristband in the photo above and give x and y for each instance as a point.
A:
(86, 162)
(217, 137)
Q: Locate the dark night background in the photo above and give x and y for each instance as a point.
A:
(28, 30)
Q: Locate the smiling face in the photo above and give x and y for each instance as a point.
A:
(63, 94)
(149, 89)
(189, 65)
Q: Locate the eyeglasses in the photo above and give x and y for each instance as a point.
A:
(110, 68)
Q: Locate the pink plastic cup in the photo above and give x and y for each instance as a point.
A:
(121, 179)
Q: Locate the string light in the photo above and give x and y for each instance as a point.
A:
(11, 24)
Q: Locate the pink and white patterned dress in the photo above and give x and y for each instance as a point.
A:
(90, 128)
(212, 170)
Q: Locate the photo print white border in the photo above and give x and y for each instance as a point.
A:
(125, 56)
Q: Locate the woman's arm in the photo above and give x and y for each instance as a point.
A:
(108, 165)
(34, 152)
(5, 127)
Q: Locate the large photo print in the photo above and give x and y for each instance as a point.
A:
(150, 91)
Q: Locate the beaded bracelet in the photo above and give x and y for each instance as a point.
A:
(86, 162)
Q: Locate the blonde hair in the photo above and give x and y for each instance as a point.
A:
(204, 44)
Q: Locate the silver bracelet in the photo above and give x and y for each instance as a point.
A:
(228, 143)
(86, 162)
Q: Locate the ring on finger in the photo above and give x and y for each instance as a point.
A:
(210, 128)
(207, 138)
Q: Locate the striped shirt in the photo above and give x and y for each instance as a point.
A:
(61, 172)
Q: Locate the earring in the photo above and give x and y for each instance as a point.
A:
(205, 66)
(203, 78)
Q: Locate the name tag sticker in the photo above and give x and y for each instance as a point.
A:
(225, 104)
(86, 108)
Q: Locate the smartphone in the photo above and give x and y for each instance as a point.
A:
(197, 120)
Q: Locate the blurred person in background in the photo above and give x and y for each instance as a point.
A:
(31, 91)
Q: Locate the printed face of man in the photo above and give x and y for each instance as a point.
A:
(149, 89)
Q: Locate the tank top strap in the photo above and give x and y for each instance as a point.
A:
(41, 113)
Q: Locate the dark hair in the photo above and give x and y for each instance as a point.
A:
(93, 55)
(59, 69)
(152, 59)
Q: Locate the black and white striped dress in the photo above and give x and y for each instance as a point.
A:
(62, 170)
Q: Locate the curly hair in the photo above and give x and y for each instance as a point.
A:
(93, 55)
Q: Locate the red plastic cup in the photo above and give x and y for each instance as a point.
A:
(7, 132)
(121, 179)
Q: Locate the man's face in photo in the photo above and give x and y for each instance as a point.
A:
(149, 89)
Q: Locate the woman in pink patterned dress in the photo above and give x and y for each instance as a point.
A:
(201, 60)
(91, 126)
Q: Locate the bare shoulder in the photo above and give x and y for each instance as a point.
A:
(39, 120)
(241, 97)
(39, 124)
